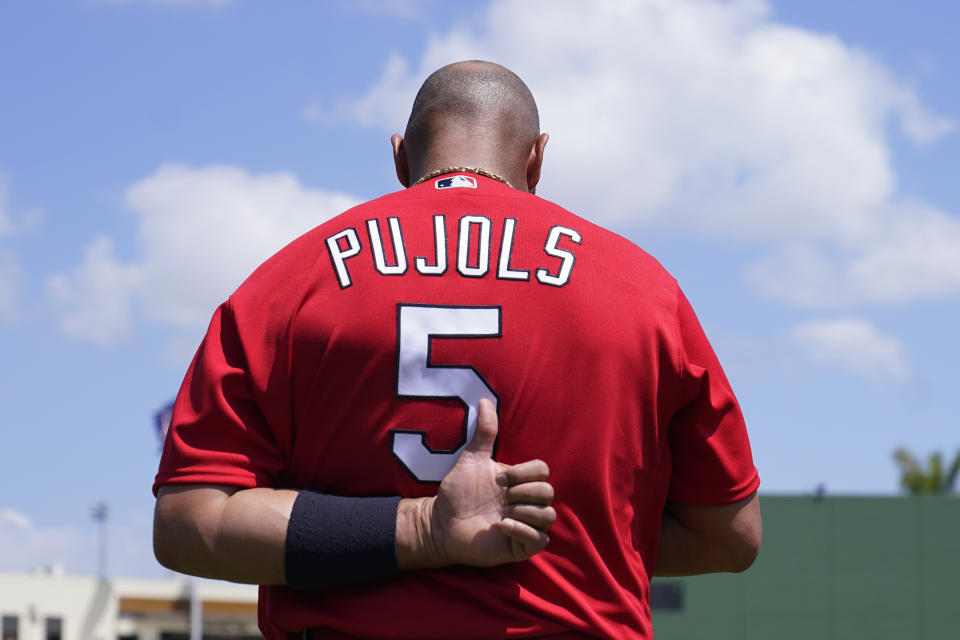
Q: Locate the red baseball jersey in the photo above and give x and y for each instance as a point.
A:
(352, 362)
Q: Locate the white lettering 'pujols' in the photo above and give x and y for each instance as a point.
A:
(472, 230)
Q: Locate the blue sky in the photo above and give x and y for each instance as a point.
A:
(792, 163)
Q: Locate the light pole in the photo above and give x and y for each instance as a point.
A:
(99, 513)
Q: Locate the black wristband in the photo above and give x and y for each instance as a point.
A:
(335, 540)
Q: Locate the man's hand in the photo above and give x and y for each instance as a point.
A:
(484, 514)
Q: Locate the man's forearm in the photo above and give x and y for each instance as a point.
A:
(682, 551)
(223, 532)
(697, 539)
(415, 547)
(241, 535)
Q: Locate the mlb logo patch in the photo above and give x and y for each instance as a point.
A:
(453, 182)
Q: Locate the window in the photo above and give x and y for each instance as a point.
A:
(10, 627)
(666, 594)
(173, 635)
(54, 628)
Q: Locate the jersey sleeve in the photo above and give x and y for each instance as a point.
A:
(710, 450)
(218, 433)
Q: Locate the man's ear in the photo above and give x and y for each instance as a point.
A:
(400, 160)
(535, 162)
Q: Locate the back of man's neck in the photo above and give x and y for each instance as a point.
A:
(478, 163)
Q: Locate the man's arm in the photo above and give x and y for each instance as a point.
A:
(485, 513)
(698, 539)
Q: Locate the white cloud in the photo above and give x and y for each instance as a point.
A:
(381, 104)
(15, 519)
(23, 221)
(5, 224)
(26, 545)
(853, 345)
(913, 251)
(802, 274)
(11, 285)
(200, 232)
(95, 298)
(12, 276)
(711, 117)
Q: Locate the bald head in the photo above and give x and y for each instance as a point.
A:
(473, 113)
(475, 95)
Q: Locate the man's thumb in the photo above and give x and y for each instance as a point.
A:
(486, 433)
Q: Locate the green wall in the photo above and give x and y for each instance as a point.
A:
(833, 568)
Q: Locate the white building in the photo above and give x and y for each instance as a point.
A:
(48, 605)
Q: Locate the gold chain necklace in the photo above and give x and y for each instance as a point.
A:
(476, 170)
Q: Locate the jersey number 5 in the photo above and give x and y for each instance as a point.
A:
(418, 377)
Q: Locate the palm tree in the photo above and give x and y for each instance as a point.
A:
(930, 480)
